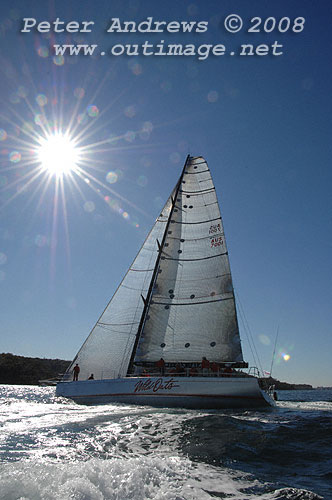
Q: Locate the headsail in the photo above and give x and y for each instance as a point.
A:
(107, 350)
(192, 309)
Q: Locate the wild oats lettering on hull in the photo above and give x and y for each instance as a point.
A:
(155, 385)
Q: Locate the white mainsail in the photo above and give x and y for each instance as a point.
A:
(176, 300)
(192, 309)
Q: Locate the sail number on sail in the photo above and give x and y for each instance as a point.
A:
(216, 242)
(215, 228)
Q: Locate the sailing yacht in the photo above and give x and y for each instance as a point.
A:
(174, 307)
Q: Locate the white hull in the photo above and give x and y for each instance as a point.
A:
(183, 392)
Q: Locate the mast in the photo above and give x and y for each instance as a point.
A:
(147, 300)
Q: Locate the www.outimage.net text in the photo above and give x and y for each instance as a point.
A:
(232, 24)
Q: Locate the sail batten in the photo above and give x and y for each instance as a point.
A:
(200, 258)
(197, 193)
(197, 222)
(193, 303)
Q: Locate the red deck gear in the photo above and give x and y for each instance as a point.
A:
(205, 363)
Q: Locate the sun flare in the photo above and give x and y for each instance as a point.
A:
(58, 154)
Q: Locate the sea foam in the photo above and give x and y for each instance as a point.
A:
(133, 479)
(96, 479)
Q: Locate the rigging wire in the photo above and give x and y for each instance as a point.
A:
(274, 351)
(249, 340)
(249, 334)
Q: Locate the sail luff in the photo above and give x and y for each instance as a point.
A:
(147, 300)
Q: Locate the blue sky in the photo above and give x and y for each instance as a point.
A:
(262, 122)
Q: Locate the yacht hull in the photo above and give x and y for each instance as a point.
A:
(180, 392)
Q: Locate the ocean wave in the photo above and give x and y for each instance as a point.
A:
(53, 449)
(279, 450)
(226, 437)
(134, 479)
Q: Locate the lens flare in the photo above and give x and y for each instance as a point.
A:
(58, 154)
(89, 206)
(130, 111)
(111, 177)
(82, 119)
(15, 156)
(93, 111)
(59, 60)
(42, 51)
(3, 134)
(79, 93)
(212, 96)
(264, 339)
(130, 136)
(40, 119)
(41, 100)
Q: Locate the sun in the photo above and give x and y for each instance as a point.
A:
(58, 154)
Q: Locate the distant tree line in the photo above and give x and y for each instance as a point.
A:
(28, 371)
(283, 386)
(21, 370)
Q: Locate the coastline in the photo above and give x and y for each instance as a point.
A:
(22, 370)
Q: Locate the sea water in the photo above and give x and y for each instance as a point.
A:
(51, 448)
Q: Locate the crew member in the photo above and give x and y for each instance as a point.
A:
(214, 367)
(193, 372)
(76, 372)
(205, 365)
(161, 365)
